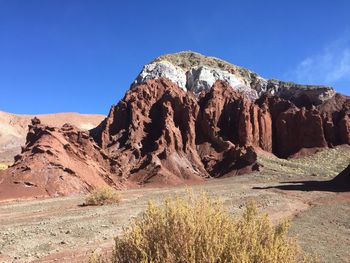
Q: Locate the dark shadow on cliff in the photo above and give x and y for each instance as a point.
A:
(307, 186)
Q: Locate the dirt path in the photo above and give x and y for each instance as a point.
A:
(59, 230)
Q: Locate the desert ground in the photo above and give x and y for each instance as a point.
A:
(62, 230)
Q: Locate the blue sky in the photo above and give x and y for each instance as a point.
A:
(81, 56)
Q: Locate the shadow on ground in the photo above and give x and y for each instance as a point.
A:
(326, 186)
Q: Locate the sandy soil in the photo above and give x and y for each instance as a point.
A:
(59, 230)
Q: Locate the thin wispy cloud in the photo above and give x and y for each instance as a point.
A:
(330, 66)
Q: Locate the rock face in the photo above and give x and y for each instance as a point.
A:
(163, 69)
(168, 133)
(202, 78)
(307, 128)
(195, 72)
(151, 134)
(300, 95)
(168, 136)
(56, 161)
(336, 120)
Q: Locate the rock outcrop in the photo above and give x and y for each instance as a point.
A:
(163, 69)
(300, 95)
(14, 128)
(167, 136)
(168, 133)
(307, 128)
(54, 162)
(151, 134)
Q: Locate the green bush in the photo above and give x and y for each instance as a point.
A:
(200, 230)
(103, 196)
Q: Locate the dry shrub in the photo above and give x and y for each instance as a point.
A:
(102, 196)
(4, 166)
(97, 257)
(198, 229)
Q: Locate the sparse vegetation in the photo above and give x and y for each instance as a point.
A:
(97, 257)
(199, 229)
(326, 163)
(4, 166)
(103, 196)
(188, 59)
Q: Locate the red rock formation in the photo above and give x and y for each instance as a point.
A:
(160, 134)
(304, 129)
(14, 128)
(151, 134)
(297, 129)
(228, 129)
(56, 162)
(166, 135)
(336, 118)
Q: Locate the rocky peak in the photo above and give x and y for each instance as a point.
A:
(194, 72)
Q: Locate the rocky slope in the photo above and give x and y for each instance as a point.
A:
(14, 128)
(162, 133)
(56, 161)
